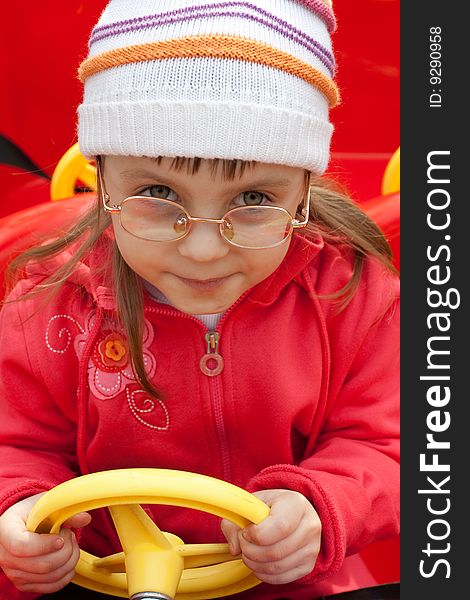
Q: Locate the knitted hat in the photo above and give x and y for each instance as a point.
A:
(237, 80)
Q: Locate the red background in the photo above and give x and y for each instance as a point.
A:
(42, 44)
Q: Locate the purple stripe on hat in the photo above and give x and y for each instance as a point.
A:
(323, 10)
(176, 16)
(318, 6)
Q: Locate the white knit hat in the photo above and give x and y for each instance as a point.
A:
(237, 80)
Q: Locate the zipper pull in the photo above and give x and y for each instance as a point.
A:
(211, 356)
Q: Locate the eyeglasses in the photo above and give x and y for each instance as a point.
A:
(160, 220)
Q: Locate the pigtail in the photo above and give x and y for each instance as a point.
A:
(130, 305)
(82, 236)
(339, 220)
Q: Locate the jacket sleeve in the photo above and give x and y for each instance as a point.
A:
(351, 474)
(37, 436)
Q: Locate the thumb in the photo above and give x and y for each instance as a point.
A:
(79, 520)
(230, 531)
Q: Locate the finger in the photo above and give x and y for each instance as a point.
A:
(46, 588)
(79, 520)
(287, 577)
(45, 572)
(18, 542)
(307, 533)
(282, 520)
(47, 563)
(231, 531)
(302, 559)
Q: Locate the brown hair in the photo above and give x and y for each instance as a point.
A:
(333, 214)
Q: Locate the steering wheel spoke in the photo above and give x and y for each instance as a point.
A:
(114, 563)
(152, 562)
(203, 555)
(135, 528)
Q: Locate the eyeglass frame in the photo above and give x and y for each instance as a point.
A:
(117, 208)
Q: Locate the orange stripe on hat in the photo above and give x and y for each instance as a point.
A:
(213, 46)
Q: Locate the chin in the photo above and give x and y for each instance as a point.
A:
(203, 306)
(199, 308)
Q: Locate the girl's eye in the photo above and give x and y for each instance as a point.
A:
(251, 199)
(159, 191)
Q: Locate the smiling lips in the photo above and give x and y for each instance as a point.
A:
(204, 284)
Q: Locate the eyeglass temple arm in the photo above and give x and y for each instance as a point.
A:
(101, 188)
(305, 210)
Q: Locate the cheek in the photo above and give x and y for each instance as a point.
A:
(121, 239)
(117, 229)
(136, 253)
(265, 262)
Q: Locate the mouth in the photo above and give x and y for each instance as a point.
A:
(204, 284)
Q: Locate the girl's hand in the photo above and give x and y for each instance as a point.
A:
(41, 563)
(283, 547)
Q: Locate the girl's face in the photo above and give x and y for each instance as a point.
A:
(201, 273)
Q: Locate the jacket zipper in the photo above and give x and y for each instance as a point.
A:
(212, 355)
(216, 392)
(217, 401)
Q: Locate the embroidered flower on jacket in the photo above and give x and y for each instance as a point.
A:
(111, 353)
(109, 367)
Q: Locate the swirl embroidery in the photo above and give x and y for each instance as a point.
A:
(59, 337)
(148, 409)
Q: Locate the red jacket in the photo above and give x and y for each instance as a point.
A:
(307, 400)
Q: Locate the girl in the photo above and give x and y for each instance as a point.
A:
(219, 310)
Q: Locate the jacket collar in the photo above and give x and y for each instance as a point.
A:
(302, 250)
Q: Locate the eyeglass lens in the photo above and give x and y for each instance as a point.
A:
(249, 226)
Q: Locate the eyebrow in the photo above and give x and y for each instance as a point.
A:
(132, 175)
(279, 182)
(271, 182)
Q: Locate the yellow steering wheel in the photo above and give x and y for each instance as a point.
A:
(154, 564)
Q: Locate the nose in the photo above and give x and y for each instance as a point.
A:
(203, 243)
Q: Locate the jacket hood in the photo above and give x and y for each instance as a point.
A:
(302, 251)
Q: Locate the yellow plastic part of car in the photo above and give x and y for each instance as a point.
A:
(71, 167)
(391, 176)
(154, 563)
